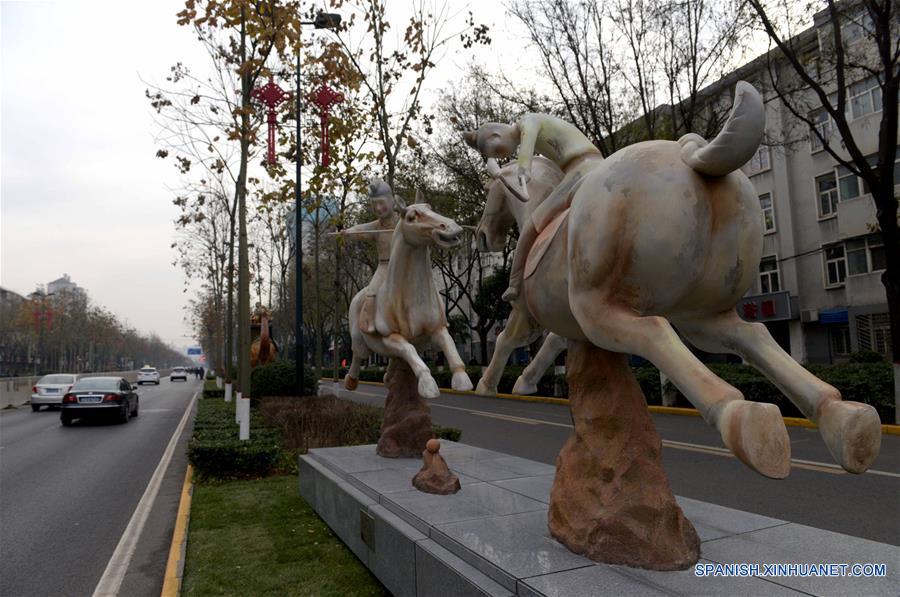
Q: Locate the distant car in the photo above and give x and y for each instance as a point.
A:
(148, 375)
(49, 390)
(178, 373)
(99, 396)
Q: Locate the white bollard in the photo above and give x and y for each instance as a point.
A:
(237, 409)
(228, 392)
(244, 433)
(218, 382)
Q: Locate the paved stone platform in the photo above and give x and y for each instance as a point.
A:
(491, 538)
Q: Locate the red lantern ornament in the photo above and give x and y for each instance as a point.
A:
(272, 96)
(325, 98)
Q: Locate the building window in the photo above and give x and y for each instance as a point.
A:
(855, 24)
(822, 124)
(826, 187)
(759, 162)
(768, 275)
(840, 340)
(874, 333)
(864, 255)
(848, 183)
(768, 210)
(864, 98)
(835, 265)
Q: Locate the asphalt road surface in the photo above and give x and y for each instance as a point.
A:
(67, 495)
(817, 493)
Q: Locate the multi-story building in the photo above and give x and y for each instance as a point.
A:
(819, 287)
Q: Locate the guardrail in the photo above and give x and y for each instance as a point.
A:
(15, 391)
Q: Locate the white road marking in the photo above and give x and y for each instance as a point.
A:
(825, 467)
(112, 578)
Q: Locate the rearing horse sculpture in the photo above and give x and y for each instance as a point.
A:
(665, 231)
(409, 312)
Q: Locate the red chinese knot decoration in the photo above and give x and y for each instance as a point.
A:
(325, 98)
(272, 96)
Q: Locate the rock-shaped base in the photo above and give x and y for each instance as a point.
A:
(407, 417)
(611, 500)
(435, 476)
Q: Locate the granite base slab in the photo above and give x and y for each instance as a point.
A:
(491, 537)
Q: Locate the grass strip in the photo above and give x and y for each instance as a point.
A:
(259, 537)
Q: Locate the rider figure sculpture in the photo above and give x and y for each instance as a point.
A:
(381, 199)
(558, 141)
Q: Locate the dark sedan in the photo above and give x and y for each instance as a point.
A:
(100, 396)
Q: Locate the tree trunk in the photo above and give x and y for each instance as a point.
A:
(243, 256)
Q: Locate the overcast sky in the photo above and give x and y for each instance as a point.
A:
(80, 189)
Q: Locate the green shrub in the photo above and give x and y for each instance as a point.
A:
(216, 452)
(210, 390)
(449, 433)
(866, 356)
(278, 379)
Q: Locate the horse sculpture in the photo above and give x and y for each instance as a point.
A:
(665, 233)
(263, 350)
(409, 312)
(521, 328)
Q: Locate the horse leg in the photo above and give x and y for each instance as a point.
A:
(517, 332)
(753, 431)
(851, 430)
(397, 346)
(360, 351)
(444, 340)
(550, 349)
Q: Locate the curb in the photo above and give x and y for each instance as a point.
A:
(175, 564)
(663, 410)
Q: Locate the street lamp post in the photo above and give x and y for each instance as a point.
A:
(322, 21)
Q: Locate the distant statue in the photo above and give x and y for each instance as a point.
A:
(408, 315)
(263, 349)
(408, 311)
(381, 200)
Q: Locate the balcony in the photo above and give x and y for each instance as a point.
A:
(865, 289)
(856, 217)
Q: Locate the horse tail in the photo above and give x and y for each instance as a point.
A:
(736, 142)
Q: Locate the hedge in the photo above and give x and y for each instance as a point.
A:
(863, 379)
(216, 452)
(278, 379)
(211, 390)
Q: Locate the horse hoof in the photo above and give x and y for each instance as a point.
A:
(484, 390)
(523, 387)
(755, 433)
(350, 383)
(428, 388)
(852, 432)
(461, 382)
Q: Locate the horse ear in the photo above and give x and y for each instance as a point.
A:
(493, 168)
(471, 138)
(399, 205)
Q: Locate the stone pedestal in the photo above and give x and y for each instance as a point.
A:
(611, 500)
(407, 417)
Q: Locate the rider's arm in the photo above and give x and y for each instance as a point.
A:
(367, 227)
(530, 127)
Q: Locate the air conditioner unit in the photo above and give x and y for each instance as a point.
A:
(809, 315)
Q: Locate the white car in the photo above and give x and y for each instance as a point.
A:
(50, 389)
(178, 373)
(148, 375)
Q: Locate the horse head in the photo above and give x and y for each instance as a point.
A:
(421, 226)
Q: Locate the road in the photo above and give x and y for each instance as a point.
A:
(817, 493)
(68, 493)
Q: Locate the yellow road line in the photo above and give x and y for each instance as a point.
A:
(666, 410)
(175, 564)
(506, 418)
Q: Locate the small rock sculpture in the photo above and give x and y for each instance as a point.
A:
(435, 476)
